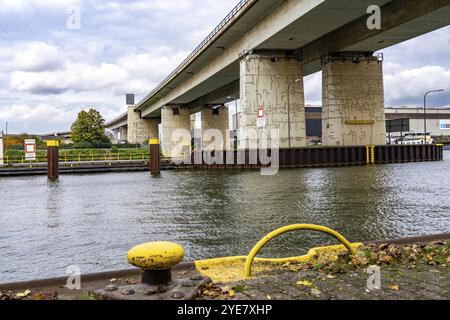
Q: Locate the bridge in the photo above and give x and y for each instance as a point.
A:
(260, 53)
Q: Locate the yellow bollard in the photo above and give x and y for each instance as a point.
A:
(156, 260)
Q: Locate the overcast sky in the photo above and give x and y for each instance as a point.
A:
(49, 72)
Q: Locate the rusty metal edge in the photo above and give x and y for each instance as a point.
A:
(412, 240)
(61, 281)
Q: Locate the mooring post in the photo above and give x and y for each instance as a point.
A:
(155, 161)
(53, 159)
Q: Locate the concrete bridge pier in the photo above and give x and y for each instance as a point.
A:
(215, 128)
(265, 80)
(353, 100)
(175, 131)
(123, 134)
(140, 130)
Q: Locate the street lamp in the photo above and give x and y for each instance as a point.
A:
(237, 119)
(6, 136)
(425, 111)
(289, 109)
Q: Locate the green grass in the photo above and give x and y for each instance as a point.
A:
(240, 287)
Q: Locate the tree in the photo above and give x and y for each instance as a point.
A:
(89, 128)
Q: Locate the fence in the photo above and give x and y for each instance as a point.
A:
(71, 158)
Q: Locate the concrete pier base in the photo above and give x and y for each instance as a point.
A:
(265, 80)
(140, 130)
(353, 102)
(176, 132)
(215, 128)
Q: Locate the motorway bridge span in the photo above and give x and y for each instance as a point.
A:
(262, 47)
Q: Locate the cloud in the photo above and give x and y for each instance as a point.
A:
(20, 5)
(313, 89)
(75, 76)
(409, 85)
(151, 67)
(130, 46)
(47, 117)
(32, 56)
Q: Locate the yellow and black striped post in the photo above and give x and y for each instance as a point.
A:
(370, 154)
(155, 161)
(53, 160)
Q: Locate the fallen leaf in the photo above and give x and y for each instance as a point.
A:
(39, 296)
(269, 297)
(132, 281)
(316, 292)
(394, 287)
(331, 276)
(232, 293)
(448, 260)
(385, 258)
(305, 283)
(113, 280)
(24, 294)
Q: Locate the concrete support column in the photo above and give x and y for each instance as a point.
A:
(215, 124)
(353, 102)
(123, 134)
(176, 131)
(140, 130)
(265, 82)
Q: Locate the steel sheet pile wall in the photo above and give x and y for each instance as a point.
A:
(408, 153)
(322, 156)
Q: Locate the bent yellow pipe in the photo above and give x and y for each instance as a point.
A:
(251, 256)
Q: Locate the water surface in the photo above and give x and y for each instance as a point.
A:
(92, 220)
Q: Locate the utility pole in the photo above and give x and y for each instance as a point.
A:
(237, 119)
(289, 109)
(6, 136)
(425, 111)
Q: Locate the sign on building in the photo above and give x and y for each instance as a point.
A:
(444, 125)
(30, 149)
(261, 119)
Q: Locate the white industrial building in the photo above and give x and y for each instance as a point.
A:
(437, 119)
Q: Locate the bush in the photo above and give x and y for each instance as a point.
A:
(16, 147)
(128, 146)
(86, 145)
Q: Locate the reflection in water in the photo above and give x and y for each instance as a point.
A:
(92, 220)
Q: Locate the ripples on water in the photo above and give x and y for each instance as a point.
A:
(92, 220)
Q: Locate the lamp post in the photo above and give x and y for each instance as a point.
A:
(289, 109)
(6, 136)
(237, 119)
(425, 111)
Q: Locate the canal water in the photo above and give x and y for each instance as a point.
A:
(92, 220)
